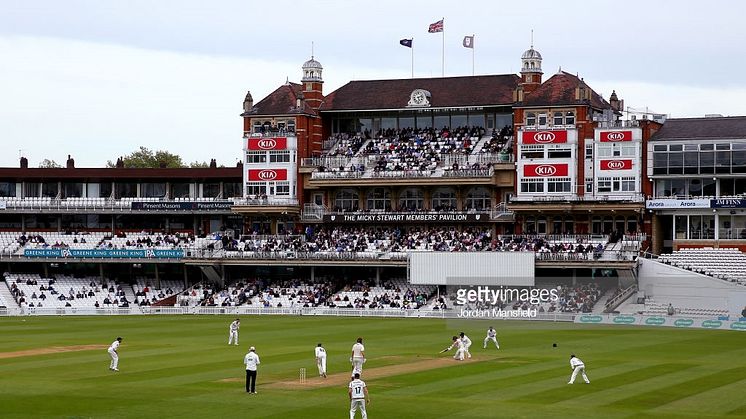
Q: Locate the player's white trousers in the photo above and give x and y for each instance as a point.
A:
(487, 339)
(114, 359)
(233, 337)
(579, 369)
(357, 364)
(321, 363)
(459, 354)
(356, 404)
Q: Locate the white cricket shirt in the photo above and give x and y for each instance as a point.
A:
(320, 352)
(251, 360)
(576, 362)
(491, 333)
(357, 350)
(358, 389)
(114, 346)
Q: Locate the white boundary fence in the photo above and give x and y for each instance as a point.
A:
(259, 311)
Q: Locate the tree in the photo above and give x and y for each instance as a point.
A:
(146, 158)
(49, 164)
(199, 165)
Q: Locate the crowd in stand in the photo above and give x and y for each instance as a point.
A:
(388, 295)
(348, 144)
(498, 141)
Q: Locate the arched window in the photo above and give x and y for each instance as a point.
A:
(444, 199)
(411, 199)
(558, 118)
(347, 200)
(570, 118)
(530, 225)
(379, 199)
(478, 198)
(530, 119)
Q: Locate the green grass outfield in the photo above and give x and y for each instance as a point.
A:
(181, 366)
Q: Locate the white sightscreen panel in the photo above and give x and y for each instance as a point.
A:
(473, 268)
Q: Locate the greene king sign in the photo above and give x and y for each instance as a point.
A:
(544, 137)
(280, 143)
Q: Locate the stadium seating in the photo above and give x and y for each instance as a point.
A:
(392, 294)
(727, 264)
(31, 290)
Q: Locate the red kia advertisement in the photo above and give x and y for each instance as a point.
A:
(615, 136)
(616, 164)
(268, 174)
(280, 143)
(544, 137)
(545, 170)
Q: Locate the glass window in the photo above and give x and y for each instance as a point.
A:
(691, 162)
(424, 119)
(532, 185)
(708, 187)
(105, 189)
(476, 119)
(379, 199)
(279, 156)
(628, 184)
(31, 190)
(49, 189)
(459, 120)
(210, 190)
(7, 189)
(406, 122)
(346, 200)
(722, 161)
(281, 188)
(558, 120)
(681, 226)
(542, 120)
(256, 189)
(707, 147)
(256, 157)
(739, 160)
(570, 118)
(559, 154)
(706, 162)
(441, 120)
(411, 199)
(589, 151)
(125, 190)
(444, 199)
(695, 187)
(153, 190)
(556, 185)
(180, 190)
(660, 147)
(678, 187)
(478, 198)
(604, 184)
(530, 119)
(72, 189)
(232, 189)
(388, 123)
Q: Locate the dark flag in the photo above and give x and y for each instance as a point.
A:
(406, 43)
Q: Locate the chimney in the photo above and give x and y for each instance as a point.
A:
(248, 102)
(120, 163)
(213, 164)
(70, 162)
(24, 163)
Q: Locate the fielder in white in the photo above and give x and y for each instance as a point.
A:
(114, 354)
(233, 331)
(358, 392)
(321, 360)
(357, 357)
(577, 366)
(491, 335)
(467, 343)
(458, 344)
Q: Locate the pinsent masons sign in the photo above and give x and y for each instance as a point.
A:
(407, 217)
(182, 206)
(544, 137)
(258, 144)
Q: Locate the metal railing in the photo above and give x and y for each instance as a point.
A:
(268, 201)
(635, 198)
(633, 123)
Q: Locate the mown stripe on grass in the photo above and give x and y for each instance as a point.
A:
(715, 401)
(602, 380)
(667, 394)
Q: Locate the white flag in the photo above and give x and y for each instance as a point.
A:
(469, 41)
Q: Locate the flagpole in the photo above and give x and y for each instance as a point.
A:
(443, 51)
(412, 56)
(472, 54)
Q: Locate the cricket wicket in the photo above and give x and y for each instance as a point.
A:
(302, 376)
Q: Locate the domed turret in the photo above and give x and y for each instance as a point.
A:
(531, 68)
(312, 70)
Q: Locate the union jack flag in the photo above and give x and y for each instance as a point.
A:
(436, 27)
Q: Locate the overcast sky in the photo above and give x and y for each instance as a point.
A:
(98, 78)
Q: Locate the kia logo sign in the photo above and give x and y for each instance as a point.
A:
(267, 174)
(616, 165)
(545, 170)
(267, 144)
(277, 143)
(544, 137)
(615, 136)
